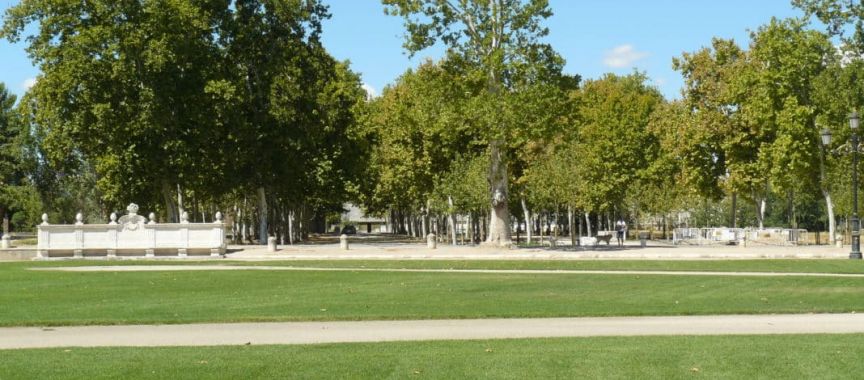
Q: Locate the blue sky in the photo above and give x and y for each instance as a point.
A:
(594, 36)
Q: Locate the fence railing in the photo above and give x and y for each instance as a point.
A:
(756, 236)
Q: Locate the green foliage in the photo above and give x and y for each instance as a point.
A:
(753, 113)
(213, 99)
(613, 146)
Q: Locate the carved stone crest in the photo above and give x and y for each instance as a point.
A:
(132, 220)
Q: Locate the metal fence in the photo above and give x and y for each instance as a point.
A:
(728, 236)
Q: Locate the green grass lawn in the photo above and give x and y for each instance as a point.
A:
(58, 298)
(756, 265)
(714, 357)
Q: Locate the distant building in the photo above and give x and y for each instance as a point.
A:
(364, 223)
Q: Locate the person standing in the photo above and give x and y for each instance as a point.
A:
(620, 228)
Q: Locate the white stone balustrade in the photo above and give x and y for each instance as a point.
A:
(131, 235)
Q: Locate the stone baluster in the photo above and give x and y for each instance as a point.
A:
(78, 252)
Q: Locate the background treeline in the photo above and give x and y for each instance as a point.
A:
(236, 106)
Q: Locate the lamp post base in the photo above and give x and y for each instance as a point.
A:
(855, 255)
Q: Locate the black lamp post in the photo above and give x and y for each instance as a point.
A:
(856, 226)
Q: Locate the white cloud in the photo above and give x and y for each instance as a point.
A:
(622, 56)
(660, 81)
(29, 82)
(370, 91)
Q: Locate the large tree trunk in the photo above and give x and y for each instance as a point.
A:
(452, 218)
(734, 210)
(760, 210)
(291, 226)
(262, 216)
(588, 224)
(570, 225)
(424, 216)
(170, 209)
(528, 226)
(499, 217)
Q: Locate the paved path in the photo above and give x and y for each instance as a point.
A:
(168, 268)
(631, 251)
(383, 331)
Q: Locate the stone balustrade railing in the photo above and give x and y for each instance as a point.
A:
(132, 234)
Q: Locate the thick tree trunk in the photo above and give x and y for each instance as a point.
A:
(499, 216)
(760, 210)
(291, 226)
(588, 224)
(570, 225)
(170, 209)
(579, 222)
(262, 216)
(452, 219)
(734, 210)
(424, 216)
(528, 226)
(179, 202)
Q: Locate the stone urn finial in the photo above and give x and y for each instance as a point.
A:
(218, 217)
(152, 218)
(132, 209)
(44, 219)
(113, 218)
(184, 217)
(79, 219)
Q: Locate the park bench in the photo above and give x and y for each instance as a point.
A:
(131, 235)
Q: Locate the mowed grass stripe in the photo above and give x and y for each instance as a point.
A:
(727, 357)
(754, 265)
(55, 298)
(219, 267)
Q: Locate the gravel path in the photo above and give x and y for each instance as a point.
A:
(383, 331)
(168, 268)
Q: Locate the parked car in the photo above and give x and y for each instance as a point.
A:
(349, 230)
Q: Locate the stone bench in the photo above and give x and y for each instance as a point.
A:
(132, 235)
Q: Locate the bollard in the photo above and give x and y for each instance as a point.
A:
(431, 243)
(5, 243)
(643, 239)
(343, 242)
(271, 244)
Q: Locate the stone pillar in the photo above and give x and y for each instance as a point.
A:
(431, 242)
(112, 254)
(5, 243)
(271, 244)
(343, 242)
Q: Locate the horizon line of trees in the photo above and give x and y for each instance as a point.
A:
(236, 106)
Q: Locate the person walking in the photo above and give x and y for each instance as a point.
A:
(620, 228)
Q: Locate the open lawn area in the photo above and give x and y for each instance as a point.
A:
(61, 298)
(725, 357)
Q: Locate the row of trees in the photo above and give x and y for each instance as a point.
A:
(747, 126)
(190, 105)
(236, 106)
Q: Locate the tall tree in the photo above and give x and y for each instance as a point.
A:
(123, 87)
(271, 44)
(500, 40)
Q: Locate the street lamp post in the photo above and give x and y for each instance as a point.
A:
(856, 225)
